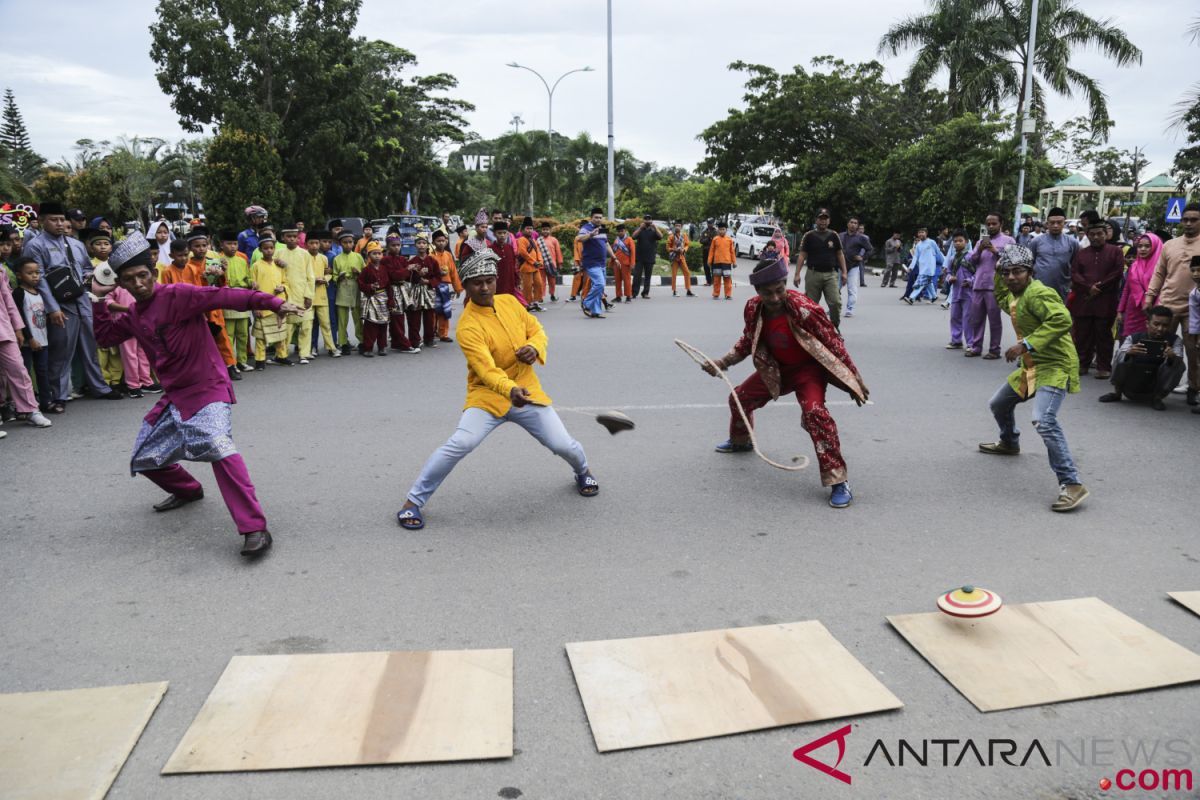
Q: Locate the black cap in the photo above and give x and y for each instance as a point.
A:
(499, 225)
(722, 224)
(228, 235)
(822, 212)
(76, 215)
(527, 222)
(50, 209)
(90, 235)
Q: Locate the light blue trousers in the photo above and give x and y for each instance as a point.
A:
(541, 422)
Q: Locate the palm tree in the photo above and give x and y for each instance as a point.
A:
(954, 36)
(987, 64)
(1192, 98)
(523, 165)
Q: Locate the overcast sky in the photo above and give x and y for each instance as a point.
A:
(79, 73)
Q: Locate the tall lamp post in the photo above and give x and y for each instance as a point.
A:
(611, 152)
(1027, 124)
(550, 109)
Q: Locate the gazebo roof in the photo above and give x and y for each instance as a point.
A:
(1075, 179)
(1161, 181)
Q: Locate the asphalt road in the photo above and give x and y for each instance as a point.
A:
(99, 590)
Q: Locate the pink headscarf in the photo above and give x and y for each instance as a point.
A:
(1137, 280)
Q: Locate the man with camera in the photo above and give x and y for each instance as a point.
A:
(1149, 364)
(1170, 286)
(645, 240)
(63, 261)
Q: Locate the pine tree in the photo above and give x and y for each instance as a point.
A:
(22, 160)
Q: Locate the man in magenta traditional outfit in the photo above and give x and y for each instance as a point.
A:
(191, 421)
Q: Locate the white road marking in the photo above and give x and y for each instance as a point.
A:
(679, 406)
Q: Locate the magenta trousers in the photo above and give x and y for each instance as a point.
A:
(13, 372)
(232, 479)
(136, 363)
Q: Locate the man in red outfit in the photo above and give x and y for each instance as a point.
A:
(1096, 273)
(795, 349)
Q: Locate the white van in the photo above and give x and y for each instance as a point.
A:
(751, 236)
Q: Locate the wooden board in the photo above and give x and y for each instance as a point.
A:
(660, 689)
(1189, 600)
(1026, 655)
(70, 745)
(343, 709)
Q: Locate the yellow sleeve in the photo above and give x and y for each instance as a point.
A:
(479, 360)
(535, 336)
(310, 280)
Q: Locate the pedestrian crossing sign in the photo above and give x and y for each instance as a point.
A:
(1175, 208)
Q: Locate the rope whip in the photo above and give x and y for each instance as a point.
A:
(700, 358)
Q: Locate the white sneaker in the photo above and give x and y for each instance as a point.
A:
(304, 361)
(38, 420)
(336, 354)
(3, 434)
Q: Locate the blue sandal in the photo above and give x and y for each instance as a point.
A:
(410, 519)
(588, 486)
(728, 446)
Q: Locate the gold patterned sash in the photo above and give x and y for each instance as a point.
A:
(1028, 383)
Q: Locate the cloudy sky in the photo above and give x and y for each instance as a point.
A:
(82, 74)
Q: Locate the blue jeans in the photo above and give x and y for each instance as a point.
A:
(541, 422)
(594, 302)
(1046, 402)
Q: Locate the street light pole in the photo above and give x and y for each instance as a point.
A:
(550, 109)
(611, 156)
(1027, 120)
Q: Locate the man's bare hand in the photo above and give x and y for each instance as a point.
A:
(57, 318)
(527, 354)
(713, 370)
(290, 308)
(1014, 352)
(519, 396)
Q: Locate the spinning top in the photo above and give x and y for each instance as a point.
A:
(105, 275)
(615, 422)
(969, 601)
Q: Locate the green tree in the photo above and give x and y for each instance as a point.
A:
(988, 68)
(242, 169)
(51, 186)
(354, 132)
(1187, 160)
(918, 185)
(22, 161)
(805, 139)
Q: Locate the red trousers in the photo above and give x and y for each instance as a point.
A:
(233, 480)
(399, 340)
(415, 318)
(375, 335)
(808, 381)
(1093, 339)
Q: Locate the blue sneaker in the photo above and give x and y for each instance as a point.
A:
(840, 497)
(728, 446)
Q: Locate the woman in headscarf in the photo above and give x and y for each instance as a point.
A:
(160, 231)
(781, 245)
(1130, 317)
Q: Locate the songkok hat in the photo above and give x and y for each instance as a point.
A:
(482, 217)
(1014, 255)
(346, 234)
(373, 247)
(769, 270)
(229, 235)
(198, 232)
(480, 264)
(133, 251)
(51, 209)
(320, 233)
(527, 222)
(293, 228)
(500, 225)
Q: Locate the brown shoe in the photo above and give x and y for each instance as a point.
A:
(991, 357)
(175, 501)
(1102, 375)
(1000, 448)
(1070, 497)
(971, 354)
(256, 543)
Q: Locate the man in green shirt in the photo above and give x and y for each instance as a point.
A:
(1049, 369)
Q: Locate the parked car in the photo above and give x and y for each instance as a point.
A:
(750, 238)
(353, 224)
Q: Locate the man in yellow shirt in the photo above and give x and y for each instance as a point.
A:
(501, 341)
(297, 268)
